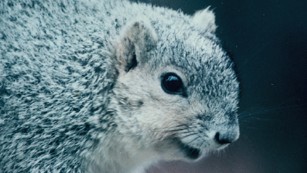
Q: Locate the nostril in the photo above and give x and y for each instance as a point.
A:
(223, 139)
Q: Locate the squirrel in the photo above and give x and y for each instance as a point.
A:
(105, 86)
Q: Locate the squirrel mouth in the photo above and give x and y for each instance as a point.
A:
(189, 151)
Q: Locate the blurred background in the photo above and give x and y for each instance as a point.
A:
(268, 42)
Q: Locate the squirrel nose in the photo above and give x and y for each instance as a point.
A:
(225, 138)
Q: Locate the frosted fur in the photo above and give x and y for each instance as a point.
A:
(80, 86)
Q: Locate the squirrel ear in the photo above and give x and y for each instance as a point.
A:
(205, 20)
(136, 40)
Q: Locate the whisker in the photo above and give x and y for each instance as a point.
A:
(194, 139)
(176, 130)
(203, 144)
(270, 109)
(188, 134)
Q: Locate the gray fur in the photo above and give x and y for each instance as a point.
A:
(80, 86)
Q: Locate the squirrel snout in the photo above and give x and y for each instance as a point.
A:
(224, 138)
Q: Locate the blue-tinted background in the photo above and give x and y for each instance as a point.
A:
(268, 41)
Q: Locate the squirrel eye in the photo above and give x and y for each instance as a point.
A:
(171, 83)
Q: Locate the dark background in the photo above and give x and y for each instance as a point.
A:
(268, 41)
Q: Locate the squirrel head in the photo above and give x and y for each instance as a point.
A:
(176, 92)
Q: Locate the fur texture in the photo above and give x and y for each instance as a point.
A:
(80, 86)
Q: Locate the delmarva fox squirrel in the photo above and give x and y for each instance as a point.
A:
(110, 86)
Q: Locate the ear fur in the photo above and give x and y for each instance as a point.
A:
(136, 40)
(205, 20)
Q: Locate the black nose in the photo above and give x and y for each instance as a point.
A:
(225, 138)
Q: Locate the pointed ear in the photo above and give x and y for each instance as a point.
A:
(205, 20)
(136, 40)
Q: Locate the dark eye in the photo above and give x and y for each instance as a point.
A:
(171, 83)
